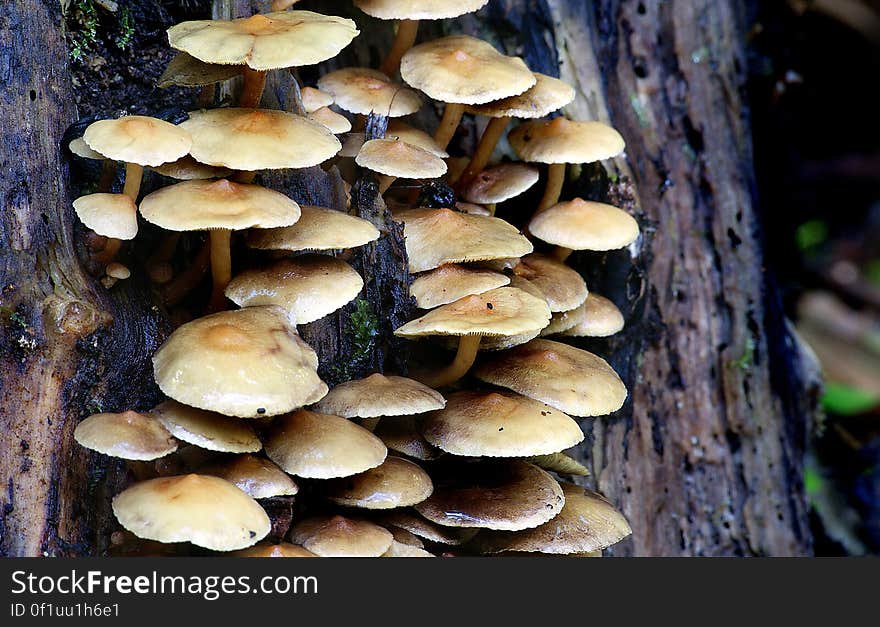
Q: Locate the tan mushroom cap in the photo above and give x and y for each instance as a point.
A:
(320, 446)
(504, 311)
(561, 287)
(256, 476)
(314, 99)
(185, 70)
(463, 69)
(419, 526)
(586, 523)
(597, 317)
(503, 343)
(399, 549)
(570, 379)
(245, 363)
(439, 236)
(509, 496)
(206, 429)
(138, 139)
(258, 139)
(318, 228)
(564, 320)
(117, 271)
(500, 183)
(471, 208)
(200, 205)
(415, 137)
(418, 9)
(364, 90)
(564, 141)
(380, 395)
(547, 95)
(80, 148)
(307, 287)
(338, 536)
(188, 169)
(450, 282)
(110, 215)
(493, 424)
(334, 122)
(559, 463)
(585, 225)
(399, 159)
(404, 436)
(127, 435)
(396, 482)
(265, 42)
(206, 511)
(267, 549)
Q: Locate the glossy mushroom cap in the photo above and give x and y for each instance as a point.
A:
(128, 435)
(450, 282)
(404, 436)
(364, 90)
(547, 95)
(399, 159)
(338, 536)
(561, 287)
(585, 225)
(563, 141)
(256, 476)
(110, 215)
(418, 9)
(206, 429)
(380, 395)
(318, 228)
(500, 183)
(334, 122)
(396, 482)
(421, 527)
(138, 139)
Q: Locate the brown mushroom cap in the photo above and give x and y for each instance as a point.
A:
(415, 137)
(396, 482)
(504, 311)
(206, 429)
(493, 424)
(586, 523)
(563, 141)
(265, 42)
(128, 435)
(110, 215)
(258, 139)
(418, 10)
(564, 320)
(256, 476)
(404, 436)
(500, 183)
(364, 90)
(138, 139)
(334, 122)
(597, 317)
(417, 525)
(463, 69)
(559, 463)
(321, 446)
(314, 99)
(561, 287)
(562, 376)
(80, 148)
(380, 395)
(439, 236)
(337, 536)
(188, 169)
(546, 96)
(200, 205)
(204, 510)
(185, 70)
(266, 549)
(509, 496)
(318, 228)
(450, 282)
(308, 287)
(245, 363)
(399, 159)
(585, 225)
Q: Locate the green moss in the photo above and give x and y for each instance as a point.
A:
(83, 38)
(126, 29)
(745, 362)
(361, 333)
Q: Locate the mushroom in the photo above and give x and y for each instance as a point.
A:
(205, 429)
(559, 463)
(396, 159)
(314, 99)
(596, 317)
(188, 169)
(338, 536)
(184, 70)
(399, 549)
(331, 120)
(404, 436)
(128, 435)
(113, 216)
(81, 149)
(206, 511)
(363, 91)
(570, 379)
(283, 549)
(318, 228)
(450, 282)
(414, 137)
(256, 476)
(421, 527)
(499, 183)
(559, 285)
(380, 395)
(396, 482)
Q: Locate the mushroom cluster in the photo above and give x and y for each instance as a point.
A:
(466, 457)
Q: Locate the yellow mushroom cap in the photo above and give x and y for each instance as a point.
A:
(318, 228)
(399, 159)
(450, 282)
(570, 379)
(200, 205)
(283, 549)
(561, 287)
(599, 317)
(127, 435)
(258, 139)
(188, 169)
(421, 527)
(187, 71)
(80, 148)
(338, 536)
(587, 523)
(308, 287)
(396, 482)
(439, 236)
(110, 215)
(494, 424)
(334, 122)
(585, 225)
(564, 141)
(245, 363)
(500, 183)
(509, 496)
(418, 9)
(463, 69)
(403, 435)
(314, 99)
(207, 511)
(414, 137)
(138, 139)
(256, 476)
(320, 446)
(206, 429)
(265, 42)
(503, 311)
(380, 395)
(364, 90)
(546, 96)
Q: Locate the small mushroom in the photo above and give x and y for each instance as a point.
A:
(112, 215)
(560, 286)
(363, 91)
(327, 117)
(338, 536)
(499, 183)
(380, 395)
(559, 463)
(208, 430)
(450, 282)
(596, 317)
(128, 435)
(414, 137)
(403, 435)
(396, 159)
(256, 476)
(314, 99)
(421, 527)
(318, 228)
(396, 482)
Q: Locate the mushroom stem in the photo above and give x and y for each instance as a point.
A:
(555, 179)
(245, 176)
(183, 283)
(370, 424)
(221, 266)
(491, 208)
(403, 41)
(134, 173)
(494, 130)
(252, 90)
(448, 124)
(108, 174)
(561, 253)
(385, 182)
(468, 345)
(109, 252)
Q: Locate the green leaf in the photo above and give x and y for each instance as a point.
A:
(848, 401)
